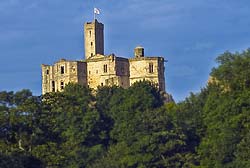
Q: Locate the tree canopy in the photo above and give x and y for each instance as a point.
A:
(132, 128)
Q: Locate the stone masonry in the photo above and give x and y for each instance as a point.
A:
(54, 78)
(102, 70)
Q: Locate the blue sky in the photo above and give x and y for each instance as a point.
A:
(189, 34)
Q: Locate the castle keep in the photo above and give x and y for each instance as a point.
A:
(102, 70)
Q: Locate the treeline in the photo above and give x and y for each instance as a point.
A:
(131, 128)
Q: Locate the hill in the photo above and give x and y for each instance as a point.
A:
(132, 127)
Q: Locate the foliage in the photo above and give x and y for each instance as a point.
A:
(226, 113)
(132, 128)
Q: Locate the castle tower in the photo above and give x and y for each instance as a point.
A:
(139, 52)
(93, 38)
(143, 67)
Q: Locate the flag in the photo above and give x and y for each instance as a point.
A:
(96, 11)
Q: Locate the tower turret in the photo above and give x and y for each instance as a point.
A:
(93, 38)
(139, 52)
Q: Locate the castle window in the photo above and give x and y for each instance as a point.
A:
(73, 69)
(92, 54)
(62, 85)
(62, 69)
(47, 72)
(89, 72)
(151, 67)
(53, 86)
(105, 68)
(101, 84)
(89, 33)
(91, 43)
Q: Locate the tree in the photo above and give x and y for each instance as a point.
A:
(225, 113)
(67, 127)
(143, 134)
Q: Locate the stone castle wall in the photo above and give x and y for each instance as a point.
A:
(108, 71)
(103, 71)
(93, 39)
(147, 68)
(55, 77)
(100, 70)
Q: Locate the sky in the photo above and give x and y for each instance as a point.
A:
(189, 34)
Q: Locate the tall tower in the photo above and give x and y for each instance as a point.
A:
(93, 38)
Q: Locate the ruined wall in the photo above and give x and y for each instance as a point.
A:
(147, 68)
(108, 71)
(100, 70)
(55, 77)
(122, 70)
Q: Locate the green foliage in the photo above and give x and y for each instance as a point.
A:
(226, 113)
(67, 123)
(157, 142)
(143, 134)
(131, 128)
(18, 160)
(233, 70)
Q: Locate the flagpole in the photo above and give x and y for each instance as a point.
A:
(96, 12)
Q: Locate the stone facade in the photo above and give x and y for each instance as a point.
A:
(93, 39)
(102, 70)
(55, 77)
(107, 71)
(147, 68)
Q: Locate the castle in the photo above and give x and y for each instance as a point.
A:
(102, 70)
